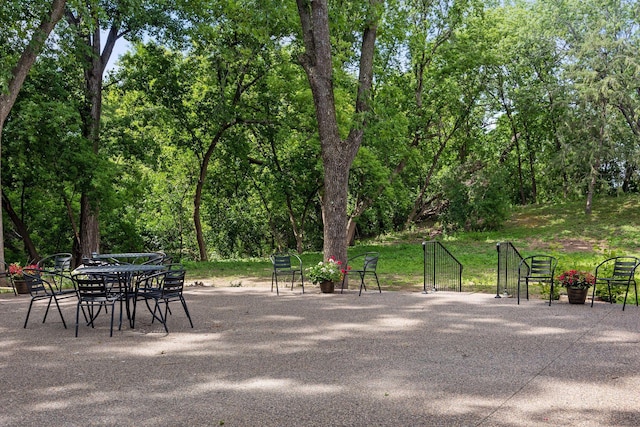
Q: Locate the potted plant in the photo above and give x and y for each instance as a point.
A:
(15, 270)
(577, 284)
(326, 273)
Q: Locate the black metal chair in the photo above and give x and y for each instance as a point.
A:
(283, 265)
(60, 262)
(162, 288)
(537, 269)
(46, 288)
(617, 271)
(6, 279)
(370, 263)
(94, 293)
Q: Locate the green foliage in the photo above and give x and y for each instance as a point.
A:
(476, 107)
(478, 203)
(581, 243)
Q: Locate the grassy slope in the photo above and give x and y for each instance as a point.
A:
(563, 230)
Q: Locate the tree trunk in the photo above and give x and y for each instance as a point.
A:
(337, 155)
(90, 209)
(21, 228)
(19, 74)
(595, 166)
(197, 198)
(89, 229)
(94, 63)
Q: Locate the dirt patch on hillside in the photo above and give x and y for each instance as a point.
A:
(570, 245)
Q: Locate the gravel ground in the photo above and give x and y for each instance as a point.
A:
(390, 359)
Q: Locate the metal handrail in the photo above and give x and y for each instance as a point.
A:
(509, 260)
(444, 268)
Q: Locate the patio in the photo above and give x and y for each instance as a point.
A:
(390, 359)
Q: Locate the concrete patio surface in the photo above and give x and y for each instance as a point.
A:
(390, 359)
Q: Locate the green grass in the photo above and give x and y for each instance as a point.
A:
(562, 230)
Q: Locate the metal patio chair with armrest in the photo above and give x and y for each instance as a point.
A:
(43, 287)
(537, 269)
(6, 279)
(162, 288)
(369, 265)
(284, 265)
(95, 292)
(618, 272)
(60, 262)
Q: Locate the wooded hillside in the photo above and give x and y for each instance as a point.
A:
(203, 141)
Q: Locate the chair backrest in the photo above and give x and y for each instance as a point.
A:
(281, 262)
(173, 282)
(371, 261)
(623, 268)
(539, 266)
(56, 262)
(35, 282)
(90, 287)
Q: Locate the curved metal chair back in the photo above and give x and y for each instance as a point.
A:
(6, 279)
(56, 262)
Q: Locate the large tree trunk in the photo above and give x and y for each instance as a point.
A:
(89, 209)
(95, 62)
(337, 155)
(19, 74)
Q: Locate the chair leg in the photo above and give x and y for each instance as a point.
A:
(344, 277)
(113, 310)
(59, 311)
(164, 317)
(28, 313)
(624, 303)
(46, 312)
(302, 280)
(186, 310)
(361, 284)
(377, 281)
(128, 314)
(593, 294)
(78, 315)
(550, 293)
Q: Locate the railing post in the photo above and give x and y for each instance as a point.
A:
(434, 267)
(498, 276)
(424, 268)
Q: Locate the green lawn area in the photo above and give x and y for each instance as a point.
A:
(562, 230)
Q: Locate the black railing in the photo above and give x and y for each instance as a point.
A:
(442, 271)
(508, 262)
